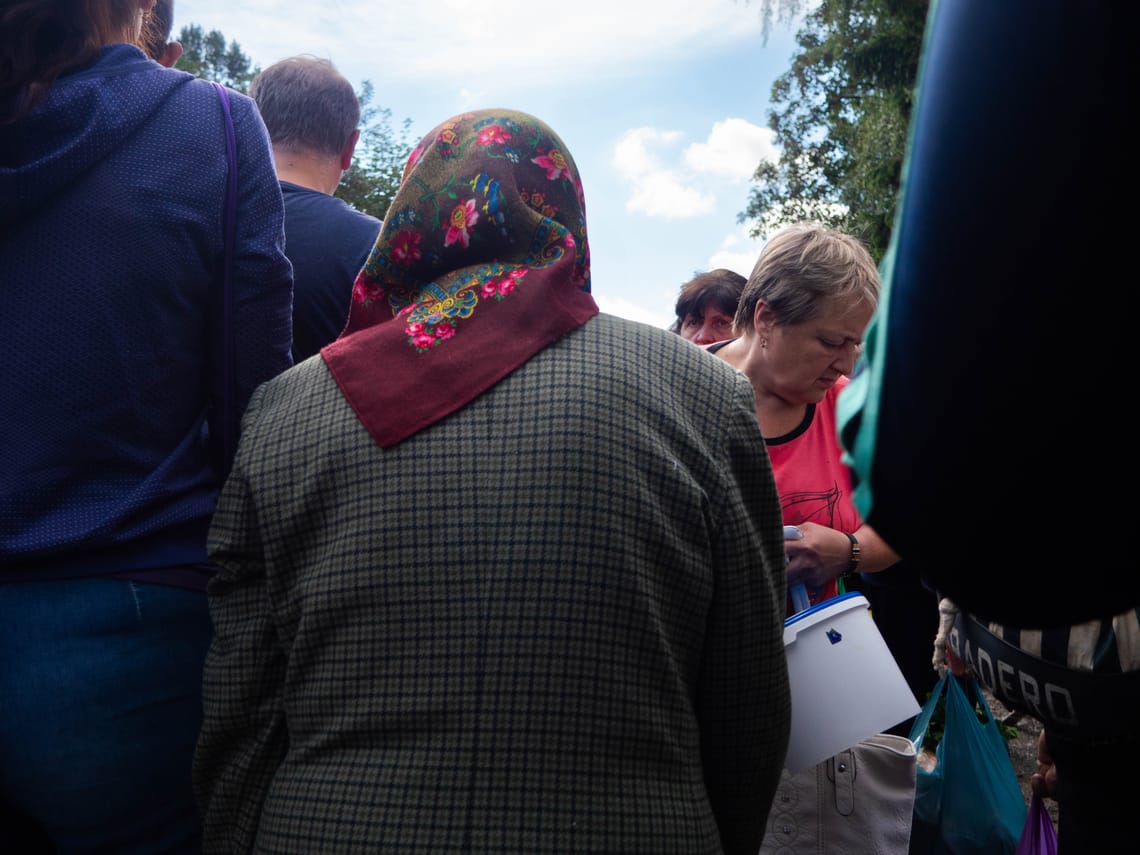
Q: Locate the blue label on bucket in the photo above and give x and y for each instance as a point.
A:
(834, 636)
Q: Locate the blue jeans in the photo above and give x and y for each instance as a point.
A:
(100, 708)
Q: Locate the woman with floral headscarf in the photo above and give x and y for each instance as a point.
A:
(491, 582)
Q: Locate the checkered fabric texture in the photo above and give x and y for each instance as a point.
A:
(550, 622)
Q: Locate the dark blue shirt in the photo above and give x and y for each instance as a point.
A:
(328, 241)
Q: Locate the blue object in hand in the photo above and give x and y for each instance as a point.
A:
(798, 593)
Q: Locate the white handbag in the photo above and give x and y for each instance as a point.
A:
(859, 801)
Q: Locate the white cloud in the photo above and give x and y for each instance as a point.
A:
(633, 311)
(733, 149)
(657, 191)
(663, 194)
(737, 252)
(462, 42)
(661, 185)
(633, 156)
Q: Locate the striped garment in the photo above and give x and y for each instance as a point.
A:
(1082, 679)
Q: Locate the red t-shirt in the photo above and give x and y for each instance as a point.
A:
(813, 481)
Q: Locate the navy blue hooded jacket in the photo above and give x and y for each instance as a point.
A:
(112, 193)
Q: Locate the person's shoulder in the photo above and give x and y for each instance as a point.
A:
(201, 94)
(302, 194)
(657, 349)
(713, 347)
(295, 388)
(186, 86)
(350, 213)
(644, 333)
(235, 96)
(308, 198)
(198, 102)
(151, 85)
(624, 330)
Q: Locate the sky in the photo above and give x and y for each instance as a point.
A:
(663, 104)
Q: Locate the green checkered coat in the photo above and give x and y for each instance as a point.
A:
(550, 622)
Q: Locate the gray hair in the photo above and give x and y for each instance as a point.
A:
(306, 105)
(803, 266)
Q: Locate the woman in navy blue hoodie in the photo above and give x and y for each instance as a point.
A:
(112, 196)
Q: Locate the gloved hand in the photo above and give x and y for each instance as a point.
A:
(947, 612)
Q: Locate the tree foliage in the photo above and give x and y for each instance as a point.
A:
(378, 164)
(841, 115)
(208, 55)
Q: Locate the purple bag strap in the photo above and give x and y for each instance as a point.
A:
(229, 232)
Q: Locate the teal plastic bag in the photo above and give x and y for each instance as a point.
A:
(971, 798)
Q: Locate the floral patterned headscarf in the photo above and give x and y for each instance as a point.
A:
(482, 261)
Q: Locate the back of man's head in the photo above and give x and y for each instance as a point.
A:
(306, 105)
(155, 36)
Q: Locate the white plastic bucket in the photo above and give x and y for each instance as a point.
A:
(845, 683)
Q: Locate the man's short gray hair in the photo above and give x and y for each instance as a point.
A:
(306, 105)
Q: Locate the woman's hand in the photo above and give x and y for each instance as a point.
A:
(823, 554)
(820, 555)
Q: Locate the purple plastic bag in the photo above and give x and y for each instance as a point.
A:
(1038, 837)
